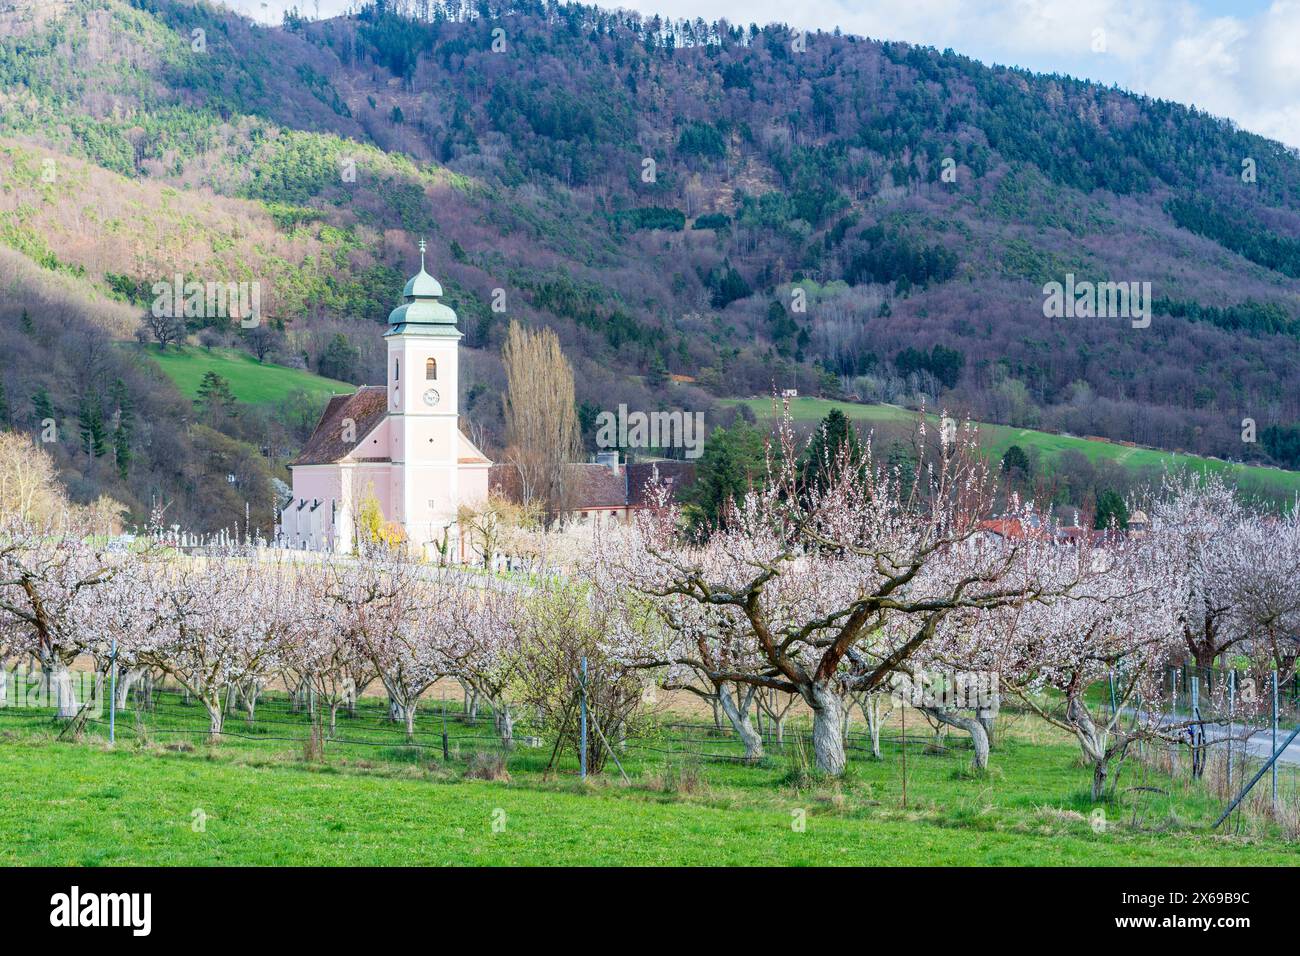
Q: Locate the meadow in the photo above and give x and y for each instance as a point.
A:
(260, 797)
(252, 382)
(994, 440)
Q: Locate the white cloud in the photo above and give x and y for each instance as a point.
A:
(1244, 65)
(1247, 69)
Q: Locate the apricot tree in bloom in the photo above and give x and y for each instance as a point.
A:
(1198, 522)
(1117, 629)
(871, 558)
(1264, 587)
(53, 583)
(396, 618)
(483, 648)
(689, 644)
(223, 621)
(322, 656)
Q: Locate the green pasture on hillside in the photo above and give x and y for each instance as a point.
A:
(996, 439)
(251, 381)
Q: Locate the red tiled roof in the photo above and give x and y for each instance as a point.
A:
(366, 407)
(1004, 527)
(678, 475)
(593, 486)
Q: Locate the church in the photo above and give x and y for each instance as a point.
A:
(399, 444)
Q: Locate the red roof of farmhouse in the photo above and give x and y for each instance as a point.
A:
(592, 485)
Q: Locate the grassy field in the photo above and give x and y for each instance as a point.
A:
(262, 802)
(996, 439)
(252, 382)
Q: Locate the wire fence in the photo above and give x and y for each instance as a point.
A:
(444, 729)
(1250, 695)
(450, 733)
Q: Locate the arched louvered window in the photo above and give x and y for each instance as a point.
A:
(431, 370)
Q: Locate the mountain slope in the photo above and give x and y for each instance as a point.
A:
(667, 196)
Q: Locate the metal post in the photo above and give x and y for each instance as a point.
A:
(582, 744)
(1232, 706)
(1272, 762)
(445, 755)
(1274, 738)
(1199, 751)
(112, 697)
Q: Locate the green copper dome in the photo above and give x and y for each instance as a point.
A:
(421, 306)
(422, 286)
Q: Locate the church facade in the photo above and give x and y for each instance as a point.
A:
(398, 445)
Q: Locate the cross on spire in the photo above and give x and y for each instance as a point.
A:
(423, 246)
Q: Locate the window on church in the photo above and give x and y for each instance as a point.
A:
(431, 369)
(397, 369)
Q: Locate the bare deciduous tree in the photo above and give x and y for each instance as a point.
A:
(542, 431)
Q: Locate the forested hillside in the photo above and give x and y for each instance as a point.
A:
(700, 210)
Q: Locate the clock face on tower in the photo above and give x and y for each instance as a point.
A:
(431, 397)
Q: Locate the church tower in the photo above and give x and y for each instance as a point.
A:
(424, 434)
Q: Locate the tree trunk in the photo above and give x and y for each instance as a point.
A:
(737, 710)
(250, 693)
(505, 722)
(987, 713)
(408, 712)
(1093, 742)
(216, 717)
(62, 691)
(1099, 772)
(828, 715)
(124, 681)
(470, 709)
(870, 707)
(972, 725)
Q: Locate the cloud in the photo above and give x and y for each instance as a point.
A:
(1247, 69)
(1244, 65)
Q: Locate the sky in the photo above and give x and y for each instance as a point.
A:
(1234, 58)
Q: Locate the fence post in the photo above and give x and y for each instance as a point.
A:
(446, 756)
(582, 743)
(112, 696)
(1232, 705)
(1275, 737)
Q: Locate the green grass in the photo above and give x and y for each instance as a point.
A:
(252, 382)
(262, 803)
(996, 439)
